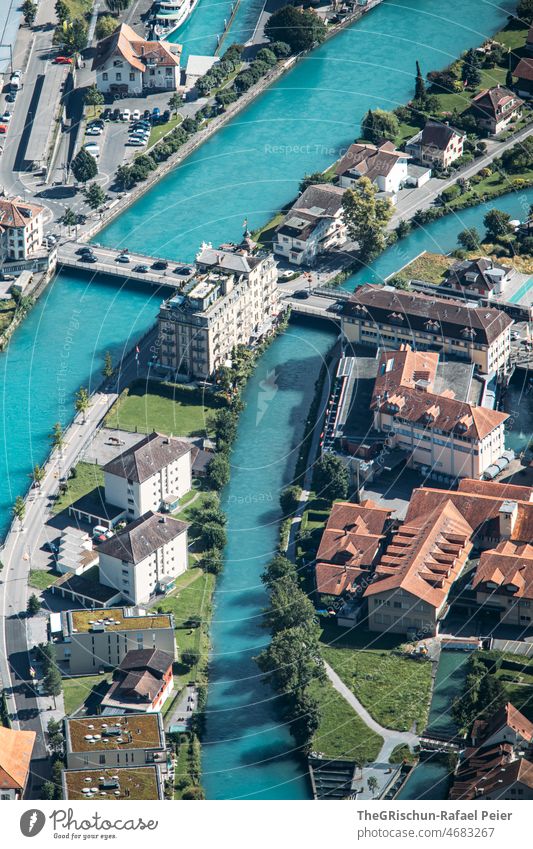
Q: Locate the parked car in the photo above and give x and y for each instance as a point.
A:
(6, 117)
(147, 114)
(93, 149)
(94, 131)
(115, 115)
(301, 294)
(125, 115)
(156, 112)
(160, 265)
(141, 269)
(51, 546)
(96, 122)
(122, 258)
(15, 80)
(3, 129)
(11, 97)
(62, 60)
(165, 117)
(106, 114)
(141, 124)
(136, 114)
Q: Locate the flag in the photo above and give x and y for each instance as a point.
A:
(32, 672)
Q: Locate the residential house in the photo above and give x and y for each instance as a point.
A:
(313, 226)
(493, 772)
(117, 783)
(496, 108)
(507, 725)
(524, 78)
(352, 540)
(86, 641)
(437, 144)
(478, 278)
(384, 166)
(382, 316)
(413, 578)
(435, 430)
(142, 682)
(232, 300)
(16, 749)
(21, 229)
(127, 65)
(145, 558)
(151, 475)
(503, 580)
(132, 739)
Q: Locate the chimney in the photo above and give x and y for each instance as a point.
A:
(507, 513)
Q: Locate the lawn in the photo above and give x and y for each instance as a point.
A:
(88, 477)
(265, 235)
(428, 266)
(79, 8)
(41, 579)
(494, 185)
(77, 691)
(394, 689)
(342, 733)
(159, 130)
(168, 409)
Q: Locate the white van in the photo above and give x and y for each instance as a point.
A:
(93, 149)
(98, 530)
(125, 115)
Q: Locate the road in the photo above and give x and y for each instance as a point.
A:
(27, 710)
(107, 264)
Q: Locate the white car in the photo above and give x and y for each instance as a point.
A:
(135, 115)
(94, 131)
(125, 115)
(93, 149)
(6, 117)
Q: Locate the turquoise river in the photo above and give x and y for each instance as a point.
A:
(248, 170)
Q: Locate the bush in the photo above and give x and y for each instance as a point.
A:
(450, 193)
(190, 657)
(289, 499)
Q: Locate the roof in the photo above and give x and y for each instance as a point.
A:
(367, 160)
(352, 534)
(482, 273)
(15, 755)
(320, 200)
(117, 619)
(140, 677)
(14, 212)
(88, 586)
(147, 457)
(509, 567)
(492, 101)
(132, 731)
(142, 537)
(524, 70)
(490, 771)
(438, 134)
(425, 556)
(154, 660)
(200, 459)
(234, 260)
(504, 490)
(115, 783)
(508, 717)
(335, 580)
(442, 317)
(197, 66)
(136, 51)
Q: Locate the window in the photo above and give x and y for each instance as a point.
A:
(118, 76)
(132, 77)
(105, 75)
(101, 759)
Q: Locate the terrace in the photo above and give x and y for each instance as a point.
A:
(117, 783)
(136, 731)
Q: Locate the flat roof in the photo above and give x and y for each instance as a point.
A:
(132, 783)
(135, 731)
(116, 619)
(87, 586)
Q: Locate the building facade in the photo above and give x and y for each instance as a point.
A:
(128, 65)
(21, 229)
(141, 683)
(496, 108)
(136, 739)
(437, 145)
(313, 226)
(384, 166)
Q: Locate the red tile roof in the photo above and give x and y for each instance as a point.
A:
(510, 567)
(524, 70)
(14, 212)
(134, 50)
(370, 161)
(507, 491)
(15, 755)
(491, 101)
(490, 772)
(335, 580)
(509, 716)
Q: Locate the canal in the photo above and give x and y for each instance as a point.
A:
(249, 169)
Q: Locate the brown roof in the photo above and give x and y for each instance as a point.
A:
(491, 101)
(14, 212)
(490, 771)
(335, 580)
(15, 755)
(147, 457)
(154, 660)
(425, 556)
(510, 567)
(134, 50)
(370, 161)
(509, 716)
(325, 200)
(442, 317)
(524, 70)
(438, 134)
(477, 267)
(507, 491)
(142, 537)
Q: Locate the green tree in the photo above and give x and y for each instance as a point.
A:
(62, 11)
(95, 195)
(224, 424)
(19, 509)
(289, 607)
(312, 179)
(211, 561)
(193, 792)
(469, 239)
(53, 682)
(72, 35)
(524, 11)
(56, 740)
(82, 402)
(57, 437)
(33, 606)
(29, 12)
(420, 86)
(279, 567)
(289, 499)
(93, 97)
(304, 718)
(49, 790)
(84, 166)
(366, 218)
(69, 218)
(372, 784)
(108, 369)
(519, 157)
(123, 177)
(379, 126)
(190, 657)
(219, 471)
(291, 660)
(330, 477)
(105, 25)
(38, 474)
(298, 28)
(470, 68)
(497, 224)
(175, 102)
(213, 536)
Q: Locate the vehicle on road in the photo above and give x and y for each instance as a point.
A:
(6, 117)
(11, 97)
(115, 115)
(62, 60)
(125, 115)
(15, 81)
(106, 114)
(147, 114)
(136, 114)
(141, 269)
(87, 258)
(94, 131)
(93, 149)
(183, 269)
(122, 258)
(84, 250)
(156, 113)
(160, 265)
(51, 546)
(3, 129)
(301, 294)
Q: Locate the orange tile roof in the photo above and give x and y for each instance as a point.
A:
(15, 756)
(507, 565)
(134, 49)
(511, 717)
(511, 491)
(335, 580)
(490, 771)
(425, 556)
(11, 212)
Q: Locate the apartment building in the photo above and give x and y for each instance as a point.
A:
(21, 229)
(384, 166)
(232, 300)
(134, 739)
(496, 108)
(118, 783)
(152, 475)
(16, 749)
(145, 558)
(382, 316)
(313, 226)
(503, 580)
(91, 640)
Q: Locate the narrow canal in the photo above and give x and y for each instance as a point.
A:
(249, 169)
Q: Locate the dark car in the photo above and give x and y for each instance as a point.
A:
(115, 115)
(160, 265)
(147, 114)
(156, 113)
(11, 96)
(51, 546)
(301, 294)
(165, 116)
(142, 269)
(88, 258)
(84, 250)
(183, 269)
(106, 114)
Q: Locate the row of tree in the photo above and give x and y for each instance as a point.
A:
(482, 696)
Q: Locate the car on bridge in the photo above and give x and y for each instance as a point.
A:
(141, 269)
(160, 265)
(301, 294)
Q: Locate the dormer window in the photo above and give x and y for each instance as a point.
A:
(491, 585)
(396, 318)
(432, 325)
(468, 332)
(511, 588)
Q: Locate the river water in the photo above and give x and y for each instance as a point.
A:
(249, 169)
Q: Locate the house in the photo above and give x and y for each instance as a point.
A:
(313, 226)
(129, 783)
(351, 542)
(493, 772)
(231, 300)
(495, 108)
(16, 749)
(142, 682)
(384, 166)
(21, 229)
(437, 144)
(128, 65)
(524, 77)
(507, 725)
(414, 575)
(133, 739)
(86, 642)
(478, 278)
(382, 316)
(503, 580)
(151, 475)
(145, 558)
(76, 554)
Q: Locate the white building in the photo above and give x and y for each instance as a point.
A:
(127, 64)
(145, 558)
(233, 300)
(76, 554)
(137, 739)
(21, 229)
(152, 475)
(384, 166)
(313, 226)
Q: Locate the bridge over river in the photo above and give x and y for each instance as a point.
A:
(172, 277)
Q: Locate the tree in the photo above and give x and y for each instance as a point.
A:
(300, 29)
(291, 660)
(518, 158)
(56, 740)
(378, 126)
(420, 86)
(82, 402)
(48, 790)
(304, 719)
(108, 369)
(38, 474)
(497, 224)
(289, 607)
(93, 97)
(524, 11)
(53, 682)
(289, 499)
(470, 68)
(117, 5)
(372, 784)
(105, 25)
(219, 471)
(33, 606)
(62, 11)
(190, 657)
(469, 239)
(95, 195)
(279, 567)
(175, 102)
(312, 179)
(280, 49)
(29, 12)
(123, 177)
(212, 561)
(57, 436)
(193, 792)
(224, 424)
(213, 536)
(84, 166)
(19, 509)
(69, 218)
(72, 35)
(330, 478)
(366, 218)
